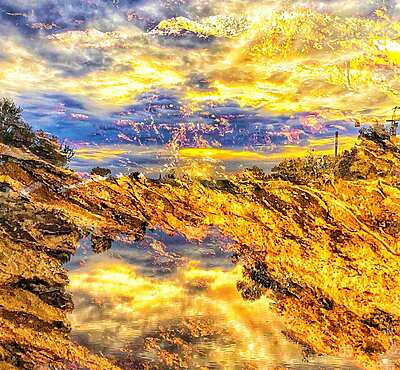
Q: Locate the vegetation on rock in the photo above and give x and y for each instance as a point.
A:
(15, 132)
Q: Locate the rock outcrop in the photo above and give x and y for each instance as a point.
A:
(326, 249)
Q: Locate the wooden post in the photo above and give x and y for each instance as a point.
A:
(336, 143)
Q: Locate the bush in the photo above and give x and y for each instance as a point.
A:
(100, 171)
(15, 132)
(305, 170)
(376, 134)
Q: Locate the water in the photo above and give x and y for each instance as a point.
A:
(168, 303)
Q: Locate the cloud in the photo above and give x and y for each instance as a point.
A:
(165, 117)
(63, 14)
(298, 69)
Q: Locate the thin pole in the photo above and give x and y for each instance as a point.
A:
(336, 143)
(394, 123)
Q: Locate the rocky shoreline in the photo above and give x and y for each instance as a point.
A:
(325, 246)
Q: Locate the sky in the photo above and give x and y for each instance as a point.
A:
(249, 74)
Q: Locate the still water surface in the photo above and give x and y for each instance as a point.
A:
(168, 303)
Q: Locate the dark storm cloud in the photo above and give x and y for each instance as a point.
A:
(67, 101)
(361, 8)
(11, 20)
(200, 82)
(157, 105)
(187, 40)
(30, 22)
(153, 119)
(66, 14)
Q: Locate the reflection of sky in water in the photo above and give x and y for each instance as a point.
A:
(164, 298)
(160, 253)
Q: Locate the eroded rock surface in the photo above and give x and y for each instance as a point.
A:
(327, 249)
(36, 237)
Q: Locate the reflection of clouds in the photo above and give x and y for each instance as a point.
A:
(115, 306)
(130, 307)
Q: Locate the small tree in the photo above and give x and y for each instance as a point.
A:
(67, 151)
(15, 132)
(377, 134)
(9, 112)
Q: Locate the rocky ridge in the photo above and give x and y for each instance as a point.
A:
(325, 247)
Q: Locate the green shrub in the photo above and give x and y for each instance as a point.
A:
(15, 132)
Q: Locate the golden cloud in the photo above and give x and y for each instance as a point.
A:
(286, 59)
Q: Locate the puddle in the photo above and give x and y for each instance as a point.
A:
(168, 303)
